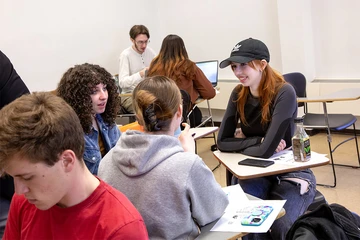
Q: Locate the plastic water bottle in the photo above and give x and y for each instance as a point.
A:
(301, 142)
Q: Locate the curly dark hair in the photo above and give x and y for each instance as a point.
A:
(75, 88)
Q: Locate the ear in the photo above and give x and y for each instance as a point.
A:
(263, 64)
(68, 160)
(179, 111)
(132, 40)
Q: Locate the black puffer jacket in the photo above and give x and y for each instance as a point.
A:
(326, 222)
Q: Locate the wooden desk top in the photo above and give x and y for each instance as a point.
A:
(208, 235)
(230, 161)
(348, 94)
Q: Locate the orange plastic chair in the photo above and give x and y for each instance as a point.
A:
(132, 126)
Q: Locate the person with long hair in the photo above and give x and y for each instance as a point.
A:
(91, 91)
(259, 121)
(174, 63)
(168, 183)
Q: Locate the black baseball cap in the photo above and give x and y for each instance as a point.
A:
(246, 51)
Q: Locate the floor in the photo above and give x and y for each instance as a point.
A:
(347, 191)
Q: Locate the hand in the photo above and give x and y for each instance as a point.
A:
(186, 140)
(143, 72)
(239, 134)
(281, 146)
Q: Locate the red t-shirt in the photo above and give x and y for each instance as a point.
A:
(105, 214)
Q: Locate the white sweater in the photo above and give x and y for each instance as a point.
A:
(131, 63)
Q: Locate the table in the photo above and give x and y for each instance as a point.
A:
(208, 235)
(202, 131)
(230, 161)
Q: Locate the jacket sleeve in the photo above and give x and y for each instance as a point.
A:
(125, 79)
(208, 200)
(285, 110)
(11, 85)
(226, 142)
(203, 85)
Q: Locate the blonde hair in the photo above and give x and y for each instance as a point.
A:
(156, 100)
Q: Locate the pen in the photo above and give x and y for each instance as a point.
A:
(193, 134)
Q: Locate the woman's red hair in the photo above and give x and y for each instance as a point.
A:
(270, 83)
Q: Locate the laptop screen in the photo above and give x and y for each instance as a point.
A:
(210, 69)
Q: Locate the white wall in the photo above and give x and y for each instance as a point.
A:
(44, 38)
(318, 38)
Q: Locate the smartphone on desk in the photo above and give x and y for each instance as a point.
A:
(256, 162)
(257, 216)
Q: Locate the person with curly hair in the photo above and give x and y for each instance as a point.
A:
(91, 91)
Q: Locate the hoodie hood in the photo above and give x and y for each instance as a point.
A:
(137, 153)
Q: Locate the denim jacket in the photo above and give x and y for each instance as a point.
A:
(110, 135)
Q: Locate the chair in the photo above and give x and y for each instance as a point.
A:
(122, 113)
(186, 101)
(325, 121)
(319, 199)
(132, 126)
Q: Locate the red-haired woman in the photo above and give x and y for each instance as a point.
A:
(259, 121)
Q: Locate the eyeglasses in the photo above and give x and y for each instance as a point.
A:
(143, 42)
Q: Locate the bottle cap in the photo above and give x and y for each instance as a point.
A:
(298, 120)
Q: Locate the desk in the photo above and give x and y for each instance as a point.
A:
(349, 94)
(208, 235)
(202, 131)
(230, 161)
(333, 121)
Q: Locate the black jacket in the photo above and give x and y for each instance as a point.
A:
(326, 222)
(11, 87)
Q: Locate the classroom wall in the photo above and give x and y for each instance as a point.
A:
(318, 38)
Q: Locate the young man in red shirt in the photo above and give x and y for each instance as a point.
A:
(56, 197)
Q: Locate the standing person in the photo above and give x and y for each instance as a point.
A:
(134, 63)
(173, 62)
(91, 91)
(266, 107)
(41, 146)
(168, 183)
(11, 87)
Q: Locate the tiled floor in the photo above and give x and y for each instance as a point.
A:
(347, 191)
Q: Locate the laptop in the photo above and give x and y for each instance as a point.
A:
(210, 69)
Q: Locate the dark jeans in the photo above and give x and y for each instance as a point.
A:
(276, 188)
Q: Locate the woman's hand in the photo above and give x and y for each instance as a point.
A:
(239, 134)
(186, 140)
(281, 146)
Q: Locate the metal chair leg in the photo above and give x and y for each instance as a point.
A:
(333, 168)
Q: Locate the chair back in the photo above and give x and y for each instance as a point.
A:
(186, 104)
(132, 126)
(298, 81)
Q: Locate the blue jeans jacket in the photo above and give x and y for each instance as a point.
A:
(110, 135)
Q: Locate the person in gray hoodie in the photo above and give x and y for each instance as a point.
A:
(172, 188)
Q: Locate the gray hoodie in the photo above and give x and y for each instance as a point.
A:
(172, 189)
